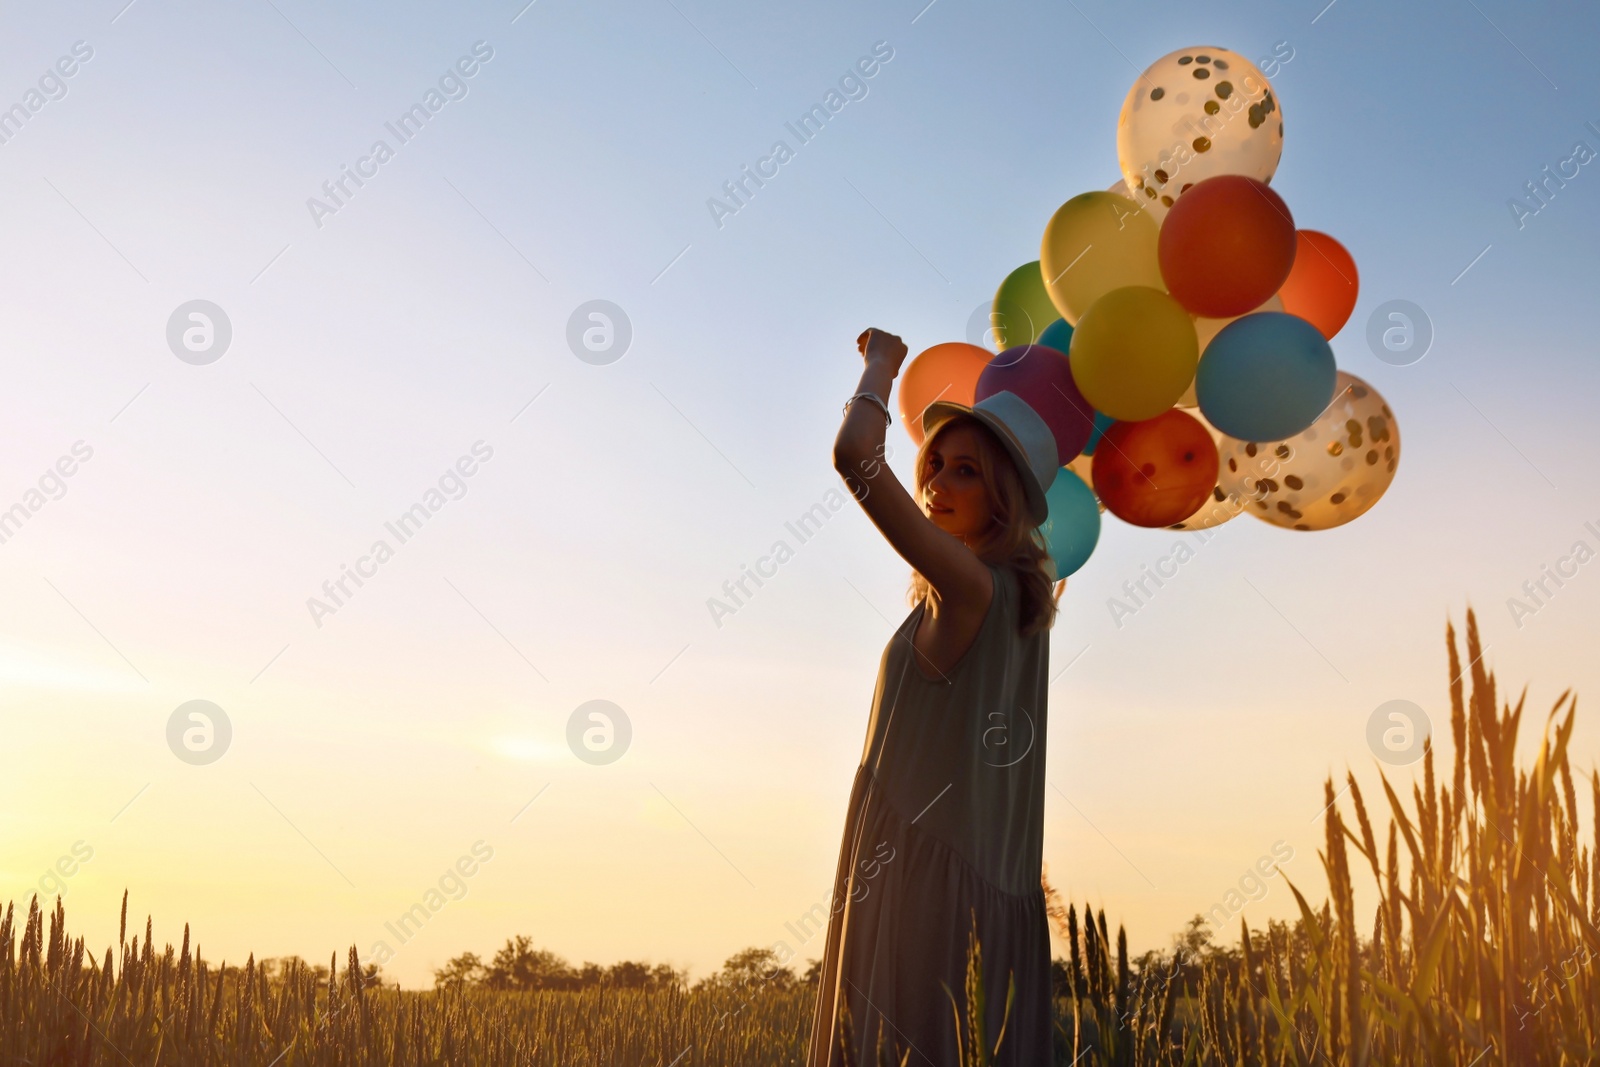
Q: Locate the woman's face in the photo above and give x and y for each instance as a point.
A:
(955, 497)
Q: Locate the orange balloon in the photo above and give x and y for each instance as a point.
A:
(1226, 245)
(944, 372)
(1321, 287)
(1155, 472)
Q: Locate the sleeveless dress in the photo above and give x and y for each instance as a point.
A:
(944, 826)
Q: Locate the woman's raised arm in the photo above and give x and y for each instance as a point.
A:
(858, 455)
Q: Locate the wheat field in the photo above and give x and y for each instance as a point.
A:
(1482, 949)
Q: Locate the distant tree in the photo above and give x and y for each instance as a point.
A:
(275, 968)
(466, 969)
(664, 976)
(631, 975)
(1061, 983)
(518, 965)
(628, 975)
(751, 971)
(813, 973)
(1195, 939)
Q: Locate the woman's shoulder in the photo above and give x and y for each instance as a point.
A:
(1008, 594)
(1005, 575)
(1006, 586)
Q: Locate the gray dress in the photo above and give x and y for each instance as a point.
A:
(944, 825)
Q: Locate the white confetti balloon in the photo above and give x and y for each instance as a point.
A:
(1325, 476)
(1192, 114)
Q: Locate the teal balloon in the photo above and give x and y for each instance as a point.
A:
(1102, 423)
(1265, 377)
(1073, 528)
(1057, 335)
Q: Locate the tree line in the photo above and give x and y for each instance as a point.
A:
(518, 966)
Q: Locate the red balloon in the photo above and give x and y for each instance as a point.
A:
(1155, 472)
(1225, 246)
(1043, 377)
(1321, 287)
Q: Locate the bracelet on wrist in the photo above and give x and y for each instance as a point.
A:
(876, 399)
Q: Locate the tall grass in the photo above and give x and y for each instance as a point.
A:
(59, 1003)
(1484, 942)
(1483, 950)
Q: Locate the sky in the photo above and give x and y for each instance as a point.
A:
(410, 340)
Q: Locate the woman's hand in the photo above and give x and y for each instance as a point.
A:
(876, 346)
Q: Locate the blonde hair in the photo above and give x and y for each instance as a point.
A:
(1011, 540)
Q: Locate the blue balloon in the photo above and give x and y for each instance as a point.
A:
(1102, 423)
(1057, 335)
(1265, 377)
(1073, 528)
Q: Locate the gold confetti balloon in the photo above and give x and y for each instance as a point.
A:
(1331, 473)
(1195, 113)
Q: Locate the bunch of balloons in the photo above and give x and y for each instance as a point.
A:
(1173, 332)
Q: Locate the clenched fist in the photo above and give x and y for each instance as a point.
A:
(881, 347)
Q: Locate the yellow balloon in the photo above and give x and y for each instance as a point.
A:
(1205, 329)
(1133, 353)
(1094, 243)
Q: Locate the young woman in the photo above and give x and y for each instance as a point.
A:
(944, 830)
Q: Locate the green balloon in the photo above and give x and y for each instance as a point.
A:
(1022, 308)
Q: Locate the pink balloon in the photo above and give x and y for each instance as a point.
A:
(1043, 377)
